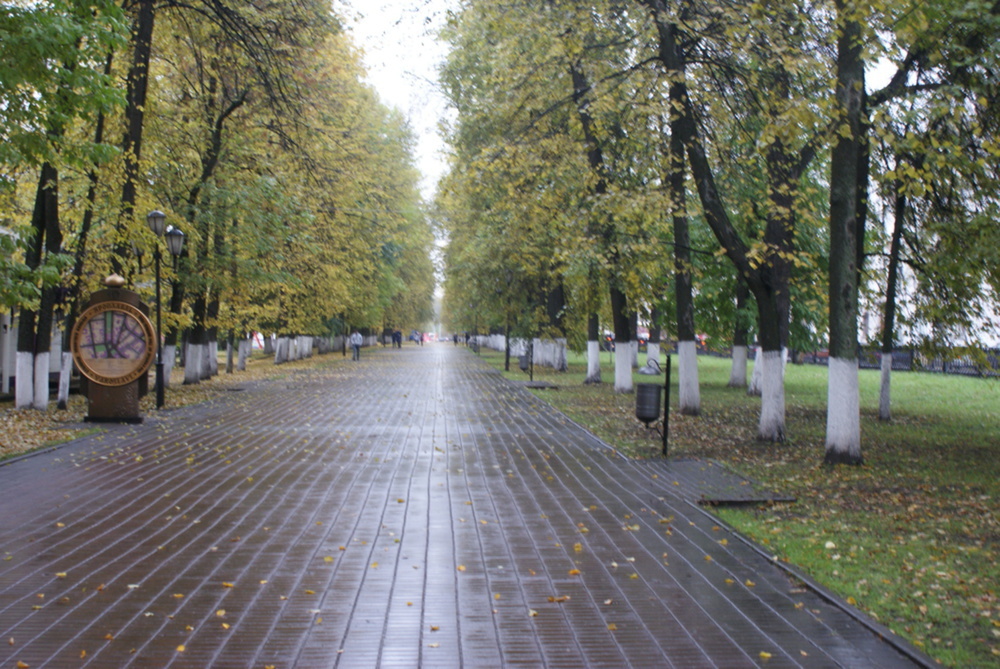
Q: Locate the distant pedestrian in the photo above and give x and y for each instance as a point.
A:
(356, 341)
(397, 339)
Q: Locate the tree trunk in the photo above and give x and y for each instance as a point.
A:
(194, 360)
(593, 350)
(843, 422)
(738, 372)
(772, 413)
(244, 353)
(653, 344)
(34, 335)
(889, 315)
(623, 342)
(230, 352)
(756, 387)
(687, 348)
(169, 360)
(135, 98)
(196, 351)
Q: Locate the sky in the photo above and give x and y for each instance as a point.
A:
(401, 52)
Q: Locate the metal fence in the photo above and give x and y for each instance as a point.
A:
(910, 360)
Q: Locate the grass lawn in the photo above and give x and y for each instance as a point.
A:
(911, 537)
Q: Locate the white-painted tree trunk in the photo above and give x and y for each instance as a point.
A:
(230, 356)
(757, 375)
(212, 360)
(41, 400)
(653, 353)
(243, 352)
(281, 350)
(884, 396)
(689, 397)
(738, 373)
(8, 343)
(169, 360)
(843, 412)
(633, 347)
(623, 367)
(24, 386)
(194, 360)
(772, 406)
(561, 363)
(541, 349)
(593, 362)
(65, 374)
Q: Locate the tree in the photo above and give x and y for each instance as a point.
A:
(43, 96)
(847, 201)
(764, 265)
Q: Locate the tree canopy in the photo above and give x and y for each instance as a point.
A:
(293, 183)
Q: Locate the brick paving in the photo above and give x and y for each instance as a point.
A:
(412, 509)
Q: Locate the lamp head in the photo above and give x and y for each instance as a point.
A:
(175, 241)
(157, 221)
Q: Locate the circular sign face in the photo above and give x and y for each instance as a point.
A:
(113, 343)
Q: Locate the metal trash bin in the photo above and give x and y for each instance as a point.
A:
(647, 402)
(522, 362)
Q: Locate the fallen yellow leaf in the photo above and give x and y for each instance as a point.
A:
(220, 613)
(180, 649)
(612, 627)
(574, 572)
(764, 655)
(461, 567)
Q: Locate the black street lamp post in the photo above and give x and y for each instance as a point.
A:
(175, 243)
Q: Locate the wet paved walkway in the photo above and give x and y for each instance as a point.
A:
(413, 509)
